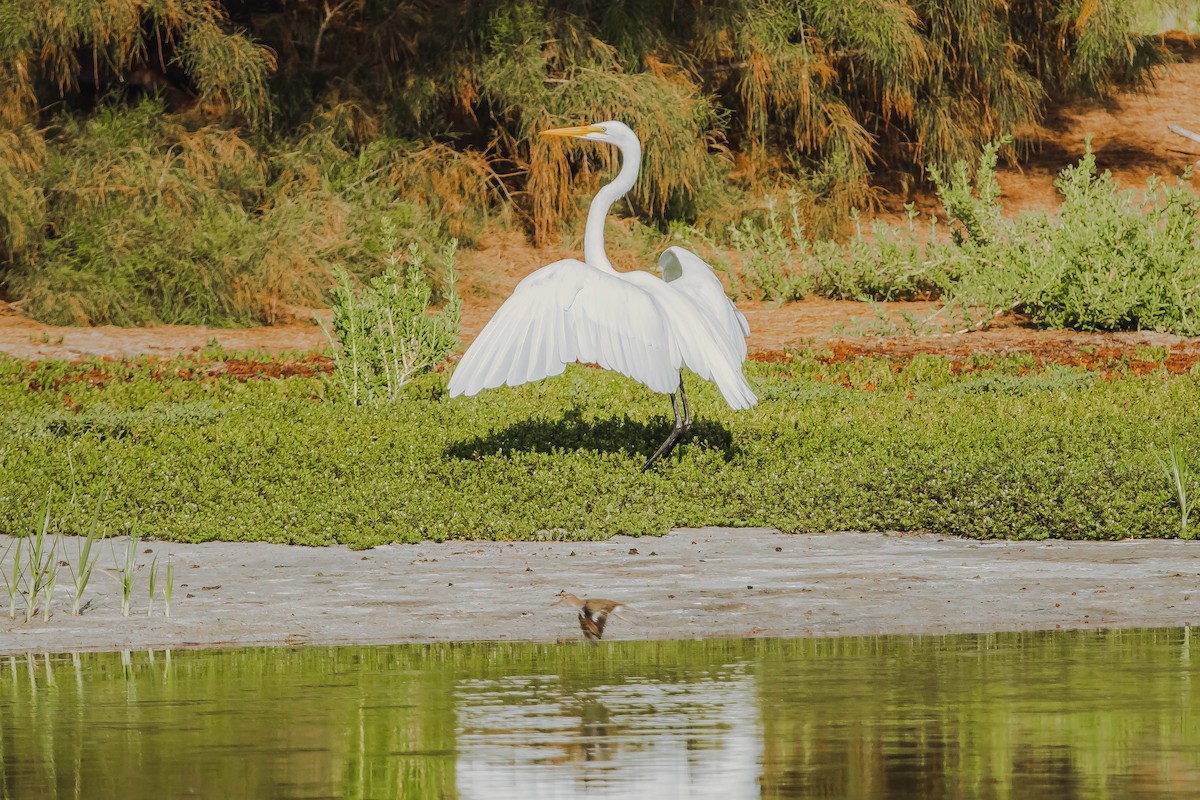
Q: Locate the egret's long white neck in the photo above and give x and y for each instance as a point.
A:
(593, 236)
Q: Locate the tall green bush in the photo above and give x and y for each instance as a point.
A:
(51, 47)
(849, 87)
(130, 217)
(384, 335)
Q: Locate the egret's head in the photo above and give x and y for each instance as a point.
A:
(612, 132)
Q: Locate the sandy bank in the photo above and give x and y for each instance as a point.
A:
(690, 584)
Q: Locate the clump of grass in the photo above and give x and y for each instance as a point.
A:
(1182, 481)
(126, 569)
(383, 336)
(34, 570)
(169, 587)
(153, 581)
(42, 569)
(12, 582)
(51, 581)
(85, 561)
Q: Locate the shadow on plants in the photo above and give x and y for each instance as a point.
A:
(573, 432)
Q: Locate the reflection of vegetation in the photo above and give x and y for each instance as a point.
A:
(322, 722)
(986, 447)
(1016, 715)
(319, 722)
(1085, 714)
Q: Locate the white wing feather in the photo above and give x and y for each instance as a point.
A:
(709, 322)
(631, 323)
(691, 275)
(566, 312)
(703, 347)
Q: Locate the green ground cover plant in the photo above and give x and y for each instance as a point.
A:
(986, 447)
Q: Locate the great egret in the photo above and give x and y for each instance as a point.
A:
(630, 322)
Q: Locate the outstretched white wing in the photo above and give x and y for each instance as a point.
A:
(566, 312)
(711, 331)
(690, 275)
(702, 347)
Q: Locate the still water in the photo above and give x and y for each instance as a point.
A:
(1097, 714)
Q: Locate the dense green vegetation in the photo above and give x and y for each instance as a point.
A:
(133, 216)
(989, 447)
(215, 160)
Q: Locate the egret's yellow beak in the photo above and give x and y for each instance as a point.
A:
(578, 130)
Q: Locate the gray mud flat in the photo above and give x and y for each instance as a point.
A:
(705, 583)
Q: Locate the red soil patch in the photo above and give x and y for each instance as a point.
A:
(1104, 360)
(282, 366)
(306, 367)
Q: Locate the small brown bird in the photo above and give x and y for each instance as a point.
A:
(593, 614)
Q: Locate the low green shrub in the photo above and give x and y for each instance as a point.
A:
(890, 264)
(1108, 259)
(771, 253)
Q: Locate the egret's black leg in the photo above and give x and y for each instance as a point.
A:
(687, 410)
(682, 423)
(672, 439)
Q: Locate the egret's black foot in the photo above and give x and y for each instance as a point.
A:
(667, 446)
(683, 421)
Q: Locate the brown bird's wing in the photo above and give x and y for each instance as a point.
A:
(594, 616)
(592, 624)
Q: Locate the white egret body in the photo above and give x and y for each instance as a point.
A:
(630, 322)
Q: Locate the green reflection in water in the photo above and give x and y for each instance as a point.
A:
(1083, 714)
